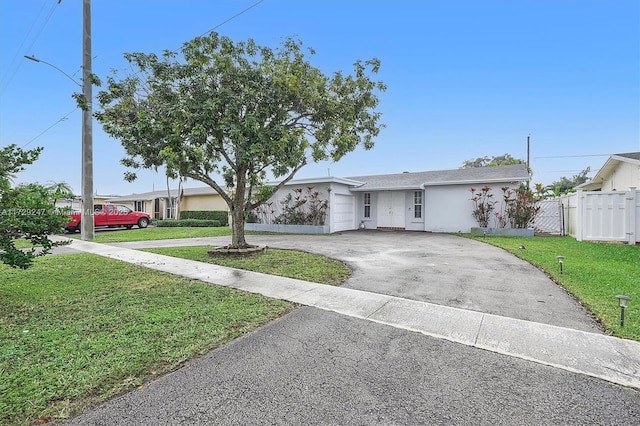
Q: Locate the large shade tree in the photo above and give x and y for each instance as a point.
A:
(240, 111)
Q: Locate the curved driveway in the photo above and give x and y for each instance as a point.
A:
(437, 268)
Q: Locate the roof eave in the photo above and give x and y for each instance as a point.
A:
(514, 179)
(387, 188)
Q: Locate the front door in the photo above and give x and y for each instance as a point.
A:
(391, 212)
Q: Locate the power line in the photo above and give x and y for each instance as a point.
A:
(573, 156)
(232, 18)
(66, 117)
(17, 53)
(135, 74)
(209, 31)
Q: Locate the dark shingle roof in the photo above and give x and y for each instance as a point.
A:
(632, 155)
(202, 190)
(417, 180)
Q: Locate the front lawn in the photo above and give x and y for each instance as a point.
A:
(73, 335)
(286, 263)
(594, 272)
(152, 233)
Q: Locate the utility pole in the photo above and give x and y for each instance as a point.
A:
(528, 158)
(86, 224)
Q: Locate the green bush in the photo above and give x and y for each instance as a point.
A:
(219, 215)
(187, 223)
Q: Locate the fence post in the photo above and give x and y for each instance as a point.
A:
(632, 202)
(580, 214)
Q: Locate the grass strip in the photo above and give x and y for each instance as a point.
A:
(153, 233)
(285, 263)
(78, 329)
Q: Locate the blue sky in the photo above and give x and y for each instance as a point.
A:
(465, 78)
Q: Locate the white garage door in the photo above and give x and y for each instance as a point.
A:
(343, 212)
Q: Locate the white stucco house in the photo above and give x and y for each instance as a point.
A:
(619, 173)
(436, 201)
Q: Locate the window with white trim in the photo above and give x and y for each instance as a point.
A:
(138, 206)
(367, 204)
(417, 204)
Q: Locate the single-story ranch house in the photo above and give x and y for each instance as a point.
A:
(436, 201)
(160, 206)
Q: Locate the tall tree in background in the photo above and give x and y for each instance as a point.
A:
(240, 110)
(26, 211)
(565, 185)
(499, 160)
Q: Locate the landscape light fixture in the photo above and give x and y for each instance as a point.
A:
(622, 301)
(560, 261)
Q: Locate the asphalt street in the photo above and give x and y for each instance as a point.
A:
(318, 367)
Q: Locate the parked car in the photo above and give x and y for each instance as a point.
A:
(111, 215)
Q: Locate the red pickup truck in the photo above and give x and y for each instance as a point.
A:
(111, 215)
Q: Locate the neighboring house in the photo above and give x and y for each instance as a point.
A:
(76, 203)
(619, 173)
(159, 206)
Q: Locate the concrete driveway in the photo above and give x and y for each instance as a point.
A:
(437, 268)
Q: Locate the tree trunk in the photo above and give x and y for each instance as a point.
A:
(179, 197)
(237, 213)
(237, 230)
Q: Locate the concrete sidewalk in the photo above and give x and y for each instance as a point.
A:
(609, 358)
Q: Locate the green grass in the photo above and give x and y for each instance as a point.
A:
(148, 234)
(286, 263)
(21, 243)
(594, 272)
(72, 336)
(152, 233)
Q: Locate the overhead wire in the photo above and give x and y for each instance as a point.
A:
(64, 118)
(205, 33)
(19, 53)
(175, 51)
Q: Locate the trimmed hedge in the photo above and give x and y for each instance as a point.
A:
(220, 215)
(187, 223)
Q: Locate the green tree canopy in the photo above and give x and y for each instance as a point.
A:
(239, 110)
(13, 159)
(498, 160)
(565, 185)
(26, 211)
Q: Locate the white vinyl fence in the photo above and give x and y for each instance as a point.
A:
(549, 219)
(602, 215)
